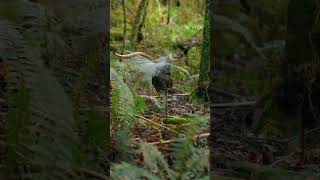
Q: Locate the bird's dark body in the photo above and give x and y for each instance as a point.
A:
(162, 80)
(162, 83)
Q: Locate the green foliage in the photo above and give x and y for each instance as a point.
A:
(121, 172)
(205, 50)
(133, 77)
(122, 146)
(140, 104)
(184, 23)
(191, 163)
(122, 111)
(155, 162)
(97, 131)
(193, 59)
(46, 136)
(186, 122)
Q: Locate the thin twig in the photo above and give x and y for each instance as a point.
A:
(182, 94)
(169, 9)
(131, 12)
(160, 125)
(195, 138)
(124, 26)
(166, 95)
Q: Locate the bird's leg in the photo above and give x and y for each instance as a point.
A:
(166, 108)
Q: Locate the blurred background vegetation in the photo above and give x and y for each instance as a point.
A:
(53, 93)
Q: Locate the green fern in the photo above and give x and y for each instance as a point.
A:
(122, 111)
(53, 146)
(192, 164)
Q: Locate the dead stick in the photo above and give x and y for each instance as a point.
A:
(131, 12)
(166, 94)
(195, 138)
(148, 120)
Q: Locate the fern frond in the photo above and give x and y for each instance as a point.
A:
(191, 164)
(122, 106)
(155, 162)
(51, 134)
(120, 172)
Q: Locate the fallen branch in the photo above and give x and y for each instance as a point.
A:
(195, 138)
(160, 125)
(182, 94)
(233, 105)
(131, 12)
(128, 56)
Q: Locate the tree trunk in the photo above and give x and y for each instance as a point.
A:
(210, 33)
(169, 9)
(299, 89)
(164, 2)
(301, 56)
(135, 26)
(205, 53)
(124, 26)
(141, 25)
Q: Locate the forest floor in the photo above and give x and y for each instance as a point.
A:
(160, 129)
(232, 125)
(237, 140)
